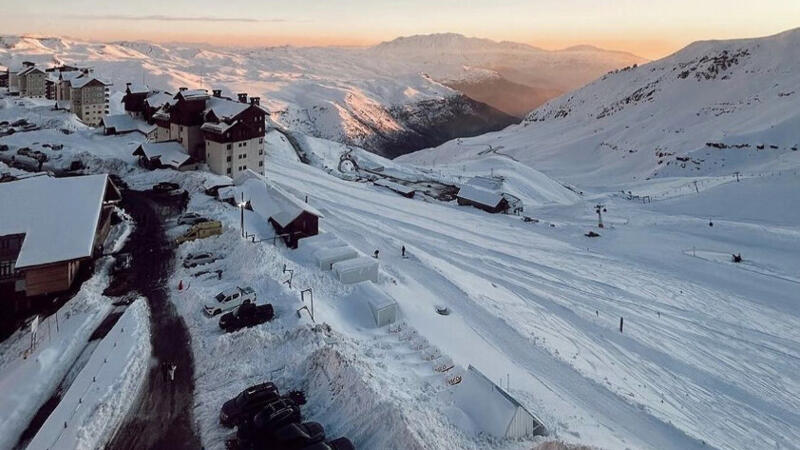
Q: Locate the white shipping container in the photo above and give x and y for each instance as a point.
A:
(383, 307)
(358, 269)
(327, 257)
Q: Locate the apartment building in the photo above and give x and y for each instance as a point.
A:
(227, 134)
(31, 82)
(88, 97)
(57, 83)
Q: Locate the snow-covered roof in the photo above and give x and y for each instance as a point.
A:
(480, 195)
(58, 216)
(159, 99)
(488, 405)
(136, 88)
(169, 153)
(267, 200)
(161, 115)
(360, 263)
(82, 81)
(218, 127)
(193, 94)
(124, 123)
(225, 108)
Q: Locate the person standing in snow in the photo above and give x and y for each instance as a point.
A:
(375, 255)
(403, 251)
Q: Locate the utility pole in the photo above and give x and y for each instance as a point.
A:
(599, 210)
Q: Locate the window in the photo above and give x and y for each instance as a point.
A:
(261, 164)
(229, 146)
(228, 171)
(228, 159)
(261, 152)
(260, 140)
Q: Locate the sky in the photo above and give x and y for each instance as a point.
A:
(648, 28)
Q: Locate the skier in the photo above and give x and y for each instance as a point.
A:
(375, 255)
(403, 250)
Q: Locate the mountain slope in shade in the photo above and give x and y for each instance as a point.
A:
(713, 108)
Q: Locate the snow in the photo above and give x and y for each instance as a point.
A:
(634, 124)
(169, 153)
(490, 408)
(709, 353)
(58, 216)
(344, 94)
(479, 195)
(123, 123)
(106, 387)
(355, 270)
(29, 379)
(225, 108)
(327, 257)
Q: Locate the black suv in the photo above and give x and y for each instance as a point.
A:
(274, 416)
(246, 315)
(294, 436)
(248, 403)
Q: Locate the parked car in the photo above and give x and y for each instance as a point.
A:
(341, 443)
(274, 416)
(191, 218)
(200, 231)
(194, 260)
(249, 402)
(229, 299)
(247, 315)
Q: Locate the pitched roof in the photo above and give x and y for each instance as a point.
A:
(479, 195)
(158, 99)
(192, 94)
(225, 108)
(218, 127)
(82, 81)
(135, 88)
(489, 406)
(267, 200)
(169, 153)
(58, 216)
(124, 123)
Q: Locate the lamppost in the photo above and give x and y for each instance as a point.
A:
(242, 204)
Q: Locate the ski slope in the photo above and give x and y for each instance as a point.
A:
(708, 352)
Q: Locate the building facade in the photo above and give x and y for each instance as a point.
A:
(227, 134)
(31, 82)
(89, 99)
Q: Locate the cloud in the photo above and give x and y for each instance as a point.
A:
(163, 18)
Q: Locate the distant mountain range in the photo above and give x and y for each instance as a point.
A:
(395, 97)
(713, 108)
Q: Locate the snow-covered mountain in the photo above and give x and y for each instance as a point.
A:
(713, 108)
(391, 98)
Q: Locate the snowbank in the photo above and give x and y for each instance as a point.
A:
(28, 380)
(103, 392)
